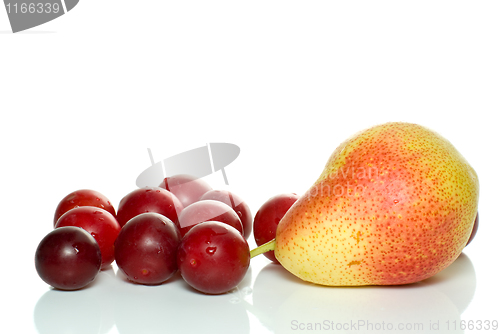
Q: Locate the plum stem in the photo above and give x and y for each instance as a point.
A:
(268, 246)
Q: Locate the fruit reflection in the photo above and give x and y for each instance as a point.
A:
(294, 304)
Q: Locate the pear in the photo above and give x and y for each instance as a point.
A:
(395, 204)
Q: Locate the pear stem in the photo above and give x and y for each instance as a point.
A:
(268, 246)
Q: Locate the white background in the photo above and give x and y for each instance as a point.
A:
(84, 96)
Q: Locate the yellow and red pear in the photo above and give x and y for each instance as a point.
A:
(395, 204)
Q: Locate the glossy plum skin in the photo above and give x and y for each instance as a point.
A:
(146, 249)
(68, 258)
(186, 188)
(234, 201)
(101, 224)
(213, 257)
(149, 199)
(83, 197)
(208, 210)
(268, 217)
(474, 229)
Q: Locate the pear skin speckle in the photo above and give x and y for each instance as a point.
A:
(394, 205)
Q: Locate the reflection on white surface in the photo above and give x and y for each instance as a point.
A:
(112, 300)
(286, 304)
(281, 302)
(83, 311)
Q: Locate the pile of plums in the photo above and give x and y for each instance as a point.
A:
(181, 225)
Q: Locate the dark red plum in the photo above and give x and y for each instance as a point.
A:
(68, 258)
(146, 249)
(474, 229)
(213, 257)
(101, 224)
(208, 210)
(149, 199)
(268, 217)
(188, 189)
(234, 201)
(83, 197)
